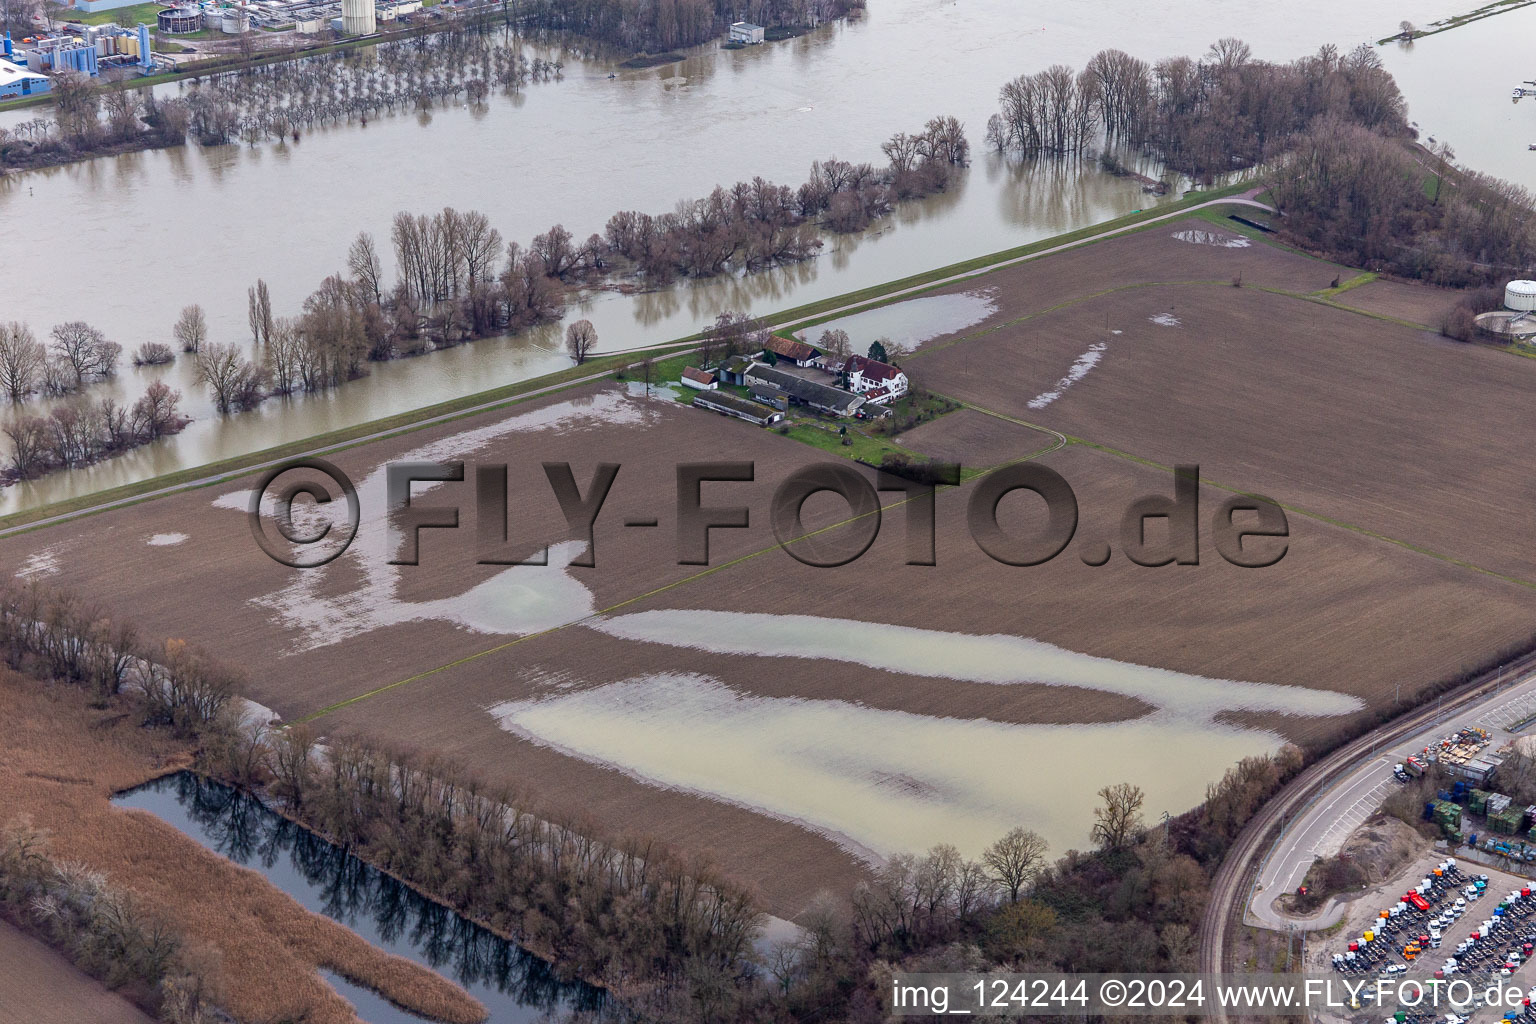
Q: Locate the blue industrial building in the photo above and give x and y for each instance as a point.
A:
(18, 81)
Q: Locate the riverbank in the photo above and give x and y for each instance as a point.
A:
(1486, 11)
(785, 321)
(65, 759)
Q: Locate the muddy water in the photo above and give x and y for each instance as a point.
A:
(877, 781)
(913, 321)
(1458, 85)
(515, 986)
(126, 241)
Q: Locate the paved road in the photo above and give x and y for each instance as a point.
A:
(1338, 782)
(1243, 200)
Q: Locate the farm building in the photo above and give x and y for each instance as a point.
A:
(746, 33)
(698, 379)
(728, 404)
(769, 395)
(18, 81)
(870, 375)
(734, 370)
(797, 352)
(820, 397)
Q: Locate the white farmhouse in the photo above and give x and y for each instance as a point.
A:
(878, 382)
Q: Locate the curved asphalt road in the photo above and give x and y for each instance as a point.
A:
(1310, 811)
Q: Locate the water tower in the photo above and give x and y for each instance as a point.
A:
(1517, 320)
(358, 17)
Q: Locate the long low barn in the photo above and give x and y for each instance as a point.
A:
(732, 405)
(832, 401)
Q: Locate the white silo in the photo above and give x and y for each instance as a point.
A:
(358, 18)
(1520, 296)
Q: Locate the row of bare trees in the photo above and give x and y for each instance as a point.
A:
(456, 279)
(655, 26)
(76, 355)
(80, 433)
(1204, 117)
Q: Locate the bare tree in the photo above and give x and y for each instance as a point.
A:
(21, 360)
(580, 340)
(84, 351)
(234, 381)
(259, 311)
(154, 414)
(1014, 859)
(1118, 821)
(363, 262)
(191, 328)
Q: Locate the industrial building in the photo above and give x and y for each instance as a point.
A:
(1517, 320)
(90, 49)
(744, 33)
(18, 81)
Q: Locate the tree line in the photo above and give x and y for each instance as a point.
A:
(1206, 117)
(457, 279)
(80, 432)
(1372, 200)
(655, 26)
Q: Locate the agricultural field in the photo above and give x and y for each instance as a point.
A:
(1343, 415)
(44, 988)
(794, 722)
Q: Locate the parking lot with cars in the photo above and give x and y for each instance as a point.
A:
(1458, 920)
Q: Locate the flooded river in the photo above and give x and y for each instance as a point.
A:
(125, 242)
(515, 986)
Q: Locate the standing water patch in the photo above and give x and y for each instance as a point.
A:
(515, 986)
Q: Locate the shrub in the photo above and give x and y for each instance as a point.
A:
(152, 353)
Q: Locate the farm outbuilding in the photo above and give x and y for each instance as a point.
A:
(728, 404)
(698, 379)
(820, 397)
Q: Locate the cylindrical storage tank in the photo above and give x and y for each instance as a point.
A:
(234, 21)
(180, 20)
(358, 17)
(1520, 295)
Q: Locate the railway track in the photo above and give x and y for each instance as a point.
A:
(1232, 884)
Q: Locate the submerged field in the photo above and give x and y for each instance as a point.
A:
(796, 722)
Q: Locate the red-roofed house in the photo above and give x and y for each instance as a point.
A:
(867, 376)
(698, 379)
(785, 348)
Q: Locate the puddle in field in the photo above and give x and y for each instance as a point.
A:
(877, 781)
(998, 659)
(880, 781)
(514, 602)
(1085, 362)
(166, 540)
(1215, 238)
(1165, 320)
(912, 322)
(39, 564)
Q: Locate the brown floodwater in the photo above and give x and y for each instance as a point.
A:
(125, 242)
